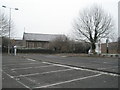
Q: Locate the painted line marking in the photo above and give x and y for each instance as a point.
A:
(68, 81)
(63, 66)
(63, 56)
(32, 67)
(29, 79)
(31, 59)
(105, 62)
(44, 73)
(78, 68)
(47, 63)
(16, 80)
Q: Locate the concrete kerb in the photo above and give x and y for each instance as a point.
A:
(111, 55)
(90, 55)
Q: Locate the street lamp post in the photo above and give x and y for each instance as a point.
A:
(107, 40)
(9, 24)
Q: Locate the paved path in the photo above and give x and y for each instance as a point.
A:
(51, 71)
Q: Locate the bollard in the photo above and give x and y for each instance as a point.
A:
(15, 50)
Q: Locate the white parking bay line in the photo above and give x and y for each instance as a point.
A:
(31, 59)
(43, 73)
(78, 68)
(63, 66)
(16, 80)
(33, 67)
(68, 81)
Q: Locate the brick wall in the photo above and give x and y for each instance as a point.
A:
(112, 47)
(36, 44)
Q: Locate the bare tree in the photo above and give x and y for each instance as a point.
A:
(113, 37)
(92, 25)
(60, 44)
(4, 25)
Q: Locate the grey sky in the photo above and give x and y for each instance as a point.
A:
(52, 16)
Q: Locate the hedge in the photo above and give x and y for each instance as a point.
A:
(34, 51)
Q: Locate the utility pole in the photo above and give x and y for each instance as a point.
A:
(9, 25)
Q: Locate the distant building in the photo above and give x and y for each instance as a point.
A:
(112, 48)
(32, 40)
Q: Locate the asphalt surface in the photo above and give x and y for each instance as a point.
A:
(97, 63)
(51, 71)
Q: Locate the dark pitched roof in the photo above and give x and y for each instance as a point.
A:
(41, 37)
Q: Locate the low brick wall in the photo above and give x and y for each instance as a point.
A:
(112, 48)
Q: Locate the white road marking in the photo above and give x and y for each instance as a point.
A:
(43, 73)
(32, 67)
(68, 81)
(16, 80)
(105, 62)
(47, 63)
(70, 68)
(63, 56)
(78, 68)
(62, 65)
(31, 59)
(33, 81)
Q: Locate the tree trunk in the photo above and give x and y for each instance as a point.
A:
(93, 48)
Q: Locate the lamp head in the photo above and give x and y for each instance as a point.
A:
(16, 8)
(4, 6)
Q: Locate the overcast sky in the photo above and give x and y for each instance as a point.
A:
(52, 16)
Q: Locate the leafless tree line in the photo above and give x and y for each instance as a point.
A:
(4, 25)
(69, 46)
